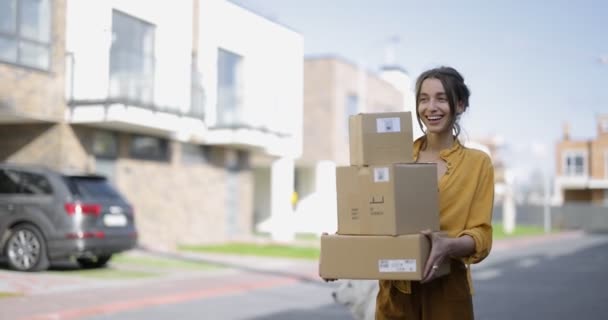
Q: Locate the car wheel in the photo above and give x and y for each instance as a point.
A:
(98, 262)
(26, 249)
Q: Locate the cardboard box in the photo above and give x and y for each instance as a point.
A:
(375, 257)
(393, 199)
(380, 138)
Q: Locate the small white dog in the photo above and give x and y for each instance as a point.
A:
(359, 296)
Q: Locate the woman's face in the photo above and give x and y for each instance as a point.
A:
(433, 107)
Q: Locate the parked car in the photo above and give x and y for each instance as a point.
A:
(46, 215)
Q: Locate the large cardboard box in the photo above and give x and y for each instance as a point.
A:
(380, 138)
(394, 199)
(375, 257)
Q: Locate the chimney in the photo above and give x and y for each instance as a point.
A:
(566, 131)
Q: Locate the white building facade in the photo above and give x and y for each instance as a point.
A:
(193, 108)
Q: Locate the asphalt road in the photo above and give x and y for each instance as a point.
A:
(565, 279)
(562, 280)
(559, 278)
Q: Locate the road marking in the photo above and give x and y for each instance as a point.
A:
(527, 262)
(486, 274)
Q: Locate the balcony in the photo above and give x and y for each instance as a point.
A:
(130, 106)
(582, 182)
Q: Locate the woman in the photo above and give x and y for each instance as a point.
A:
(466, 196)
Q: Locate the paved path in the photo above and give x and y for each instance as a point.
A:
(53, 296)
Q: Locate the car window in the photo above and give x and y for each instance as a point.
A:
(91, 187)
(32, 183)
(9, 182)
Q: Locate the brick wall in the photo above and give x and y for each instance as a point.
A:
(34, 94)
(327, 83)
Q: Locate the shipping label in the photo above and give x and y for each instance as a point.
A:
(384, 125)
(397, 265)
(381, 174)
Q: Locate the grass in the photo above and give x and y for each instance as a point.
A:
(10, 294)
(161, 263)
(128, 266)
(303, 252)
(265, 250)
(519, 231)
(111, 273)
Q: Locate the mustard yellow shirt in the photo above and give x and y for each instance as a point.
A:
(466, 199)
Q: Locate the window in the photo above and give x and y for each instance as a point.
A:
(91, 187)
(149, 148)
(575, 163)
(25, 32)
(32, 183)
(105, 144)
(604, 125)
(12, 182)
(131, 59)
(9, 182)
(229, 86)
(194, 154)
(351, 108)
(606, 164)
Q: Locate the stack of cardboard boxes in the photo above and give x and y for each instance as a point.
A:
(384, 201)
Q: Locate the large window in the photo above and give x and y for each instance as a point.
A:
(105, 144)
(229, 86)
(149, 148)
(575, 163)
(606, 164)
(25, 32)
(351, 108)
(13, 182)
(132, 59)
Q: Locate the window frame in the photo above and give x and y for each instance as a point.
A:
(350, 109)
(573, 153)
(18, 38)
(142, 99)
(606, 165)
(164, 145)
(107, 155)
(229, 107)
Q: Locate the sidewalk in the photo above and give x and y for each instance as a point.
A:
(52, 296)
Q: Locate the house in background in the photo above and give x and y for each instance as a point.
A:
(196, 119)
(334, 89)
(582, 167)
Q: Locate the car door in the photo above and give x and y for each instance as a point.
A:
(9, 192)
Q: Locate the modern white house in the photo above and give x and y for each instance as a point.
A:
(196, 118)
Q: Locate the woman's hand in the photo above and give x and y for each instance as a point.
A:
(440, 253)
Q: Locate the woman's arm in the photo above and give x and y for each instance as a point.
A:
(474, 243)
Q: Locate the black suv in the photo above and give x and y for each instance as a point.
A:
(46, 215)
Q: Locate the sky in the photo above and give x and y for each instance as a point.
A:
(530, 65)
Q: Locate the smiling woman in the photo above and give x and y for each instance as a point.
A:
(466, 188)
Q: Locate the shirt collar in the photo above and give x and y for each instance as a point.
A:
(445, 154)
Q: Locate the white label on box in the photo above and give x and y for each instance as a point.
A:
(381, 175)
(397, 265)
(384, 125)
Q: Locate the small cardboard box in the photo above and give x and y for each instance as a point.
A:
(380, 138)
(395, 199)
(375, 257)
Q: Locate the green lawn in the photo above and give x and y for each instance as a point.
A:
(312, 252)
(129, 266)
(267, 250)
(520, 230)
(160, 263)
(108, 273)
(10, 294)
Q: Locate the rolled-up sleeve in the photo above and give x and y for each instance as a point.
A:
(479, 223)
